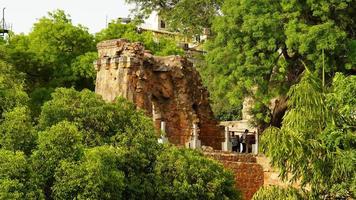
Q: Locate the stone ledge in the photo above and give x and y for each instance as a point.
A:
(111, 43)
(233, 157)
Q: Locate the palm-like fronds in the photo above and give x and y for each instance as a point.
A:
(316, 143)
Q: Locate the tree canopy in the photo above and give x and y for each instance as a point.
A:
(97, 176)
(296, 59)
(46, 53)
(161, 46)
(12, 92)
(189, 17)
(316, 142)
(16, 178)
(259, 47)
(57, 53)
(17, 131)
(59, 140)
(278, 193)
(85, 148)
(185, 174)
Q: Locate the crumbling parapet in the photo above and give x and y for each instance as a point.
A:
(168, 88)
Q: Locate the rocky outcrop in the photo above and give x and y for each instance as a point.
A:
(168, 88)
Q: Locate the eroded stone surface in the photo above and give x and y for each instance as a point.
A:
(168, 88)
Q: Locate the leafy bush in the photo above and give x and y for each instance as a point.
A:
(277, 193)
(187, 174)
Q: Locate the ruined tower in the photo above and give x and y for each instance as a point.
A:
(168, 88)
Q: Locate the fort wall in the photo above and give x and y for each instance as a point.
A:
(168, 89)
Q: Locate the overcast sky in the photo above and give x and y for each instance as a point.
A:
(22, 14)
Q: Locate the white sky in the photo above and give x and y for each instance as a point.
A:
(22, 14)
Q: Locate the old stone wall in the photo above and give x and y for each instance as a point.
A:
(249, 175)
(251, 171)
(168, 88)
(271, 175)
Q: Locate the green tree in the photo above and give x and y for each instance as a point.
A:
(12, 92)
(45, 55)
(258, 49)
(159, 46)
(96, 176)
(15, 177)
(100, 123)
(54, 54)
(278, 193)
(316, 142)
(57, 42)
(187, 174)
(83, 72)
(16, 131)
(90, 149)
(116, 29)
(60, 142)
(177, 174)
(187, 16)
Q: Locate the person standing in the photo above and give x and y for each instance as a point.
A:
(234, 142)
(244, 141)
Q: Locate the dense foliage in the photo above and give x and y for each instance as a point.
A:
(57, 142)
(316, 143)
(85, 148)
(16, 181)
(257, 48)
(17, 131)
(186, 16)
(277, 193)
(162, 46)
(295, 58)
(261, 48)
(46, 53)
(57, 53)
(12, 92)
(184, 174)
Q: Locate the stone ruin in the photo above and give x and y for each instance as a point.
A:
(168, 89)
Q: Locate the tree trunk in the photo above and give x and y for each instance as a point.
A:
(280, 108)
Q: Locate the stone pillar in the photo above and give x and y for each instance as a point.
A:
(156, 116)
(163, 139)
(195, 143)
(163, 127)
(227, 145)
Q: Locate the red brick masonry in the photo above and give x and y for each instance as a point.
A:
(249, 175)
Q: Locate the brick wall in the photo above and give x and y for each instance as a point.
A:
(249, 175)
(251, 171)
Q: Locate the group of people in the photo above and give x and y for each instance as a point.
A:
(236, 141)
